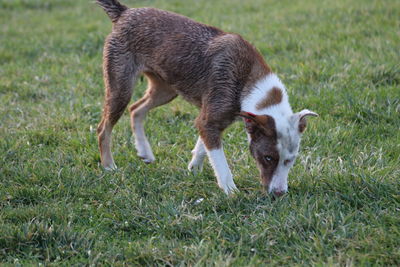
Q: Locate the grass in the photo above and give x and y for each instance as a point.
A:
(58, 207)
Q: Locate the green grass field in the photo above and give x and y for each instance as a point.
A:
(58, 207)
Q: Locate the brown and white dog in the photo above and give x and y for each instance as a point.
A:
(219, 72)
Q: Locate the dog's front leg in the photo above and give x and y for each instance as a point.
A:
(211, 122)
(221, 168)
(199, 153)
(218, 162)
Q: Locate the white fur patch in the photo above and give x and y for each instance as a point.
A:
(141, 143)
(221, 169)
(280, 112)
(260, 91)
(199, 153)
(279, 181)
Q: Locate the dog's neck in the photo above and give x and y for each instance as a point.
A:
(268, 97)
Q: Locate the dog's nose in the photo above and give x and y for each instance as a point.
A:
(279, 193)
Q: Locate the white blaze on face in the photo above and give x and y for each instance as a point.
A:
(288, 147)
(279, 181)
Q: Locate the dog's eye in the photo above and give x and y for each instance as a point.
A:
(268, 158)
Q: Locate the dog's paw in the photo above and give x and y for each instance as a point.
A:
(230, 188)
(147, 160)
(147, 157)
(144, 152)
(195, 167)
(110, 167)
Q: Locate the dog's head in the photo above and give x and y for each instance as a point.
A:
(274, 143)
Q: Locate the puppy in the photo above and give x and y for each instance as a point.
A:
(220, 73)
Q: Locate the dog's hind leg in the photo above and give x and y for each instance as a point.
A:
(120, 74)
(158, 93)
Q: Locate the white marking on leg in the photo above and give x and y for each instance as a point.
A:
(199, 153)
(141, 143)
(112, 167)
(222, 171)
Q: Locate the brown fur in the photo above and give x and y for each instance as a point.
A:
(206, 66)
(274, 97)
(302, 125)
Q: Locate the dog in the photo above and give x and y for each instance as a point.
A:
(220, 73)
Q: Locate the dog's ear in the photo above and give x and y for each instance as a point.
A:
(301, 118)
(258, 123)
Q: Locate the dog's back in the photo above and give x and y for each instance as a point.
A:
(173, 47)
(184, 53)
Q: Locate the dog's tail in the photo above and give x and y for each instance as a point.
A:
(113, 8)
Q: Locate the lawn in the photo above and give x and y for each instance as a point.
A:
(59, 207)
